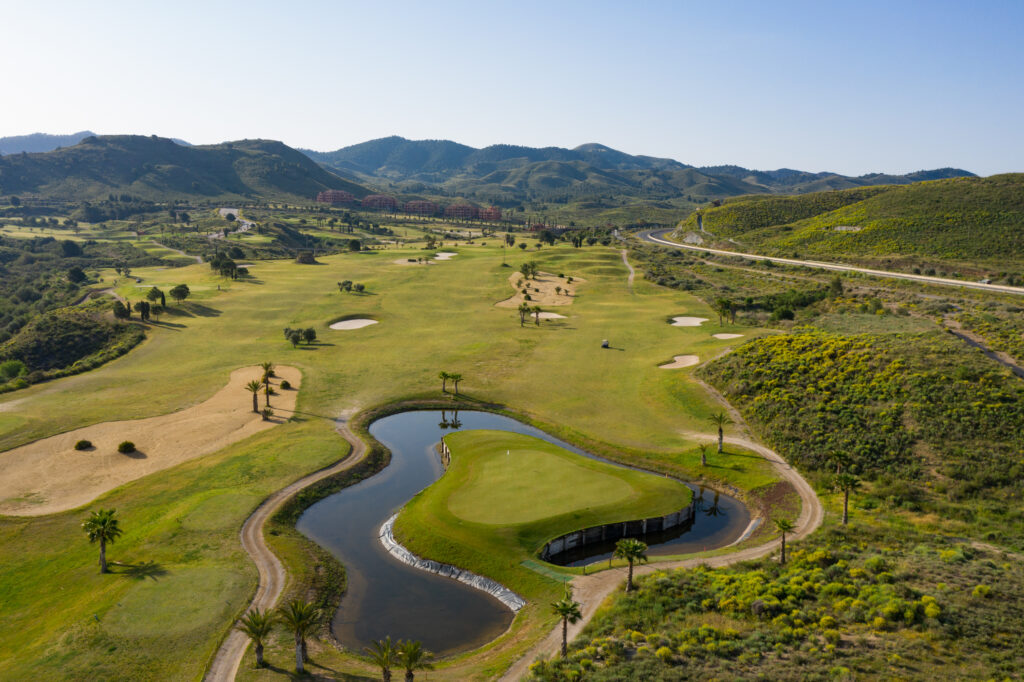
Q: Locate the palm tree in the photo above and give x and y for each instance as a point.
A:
(268, 371)
(842, 459)
(569, 611)
(383, 654)
(631, 550)
(444, 377)
(254, 388)
(723, 307)
(300, 617)
(784, 526)
(102, 527)
(412, 656)
(536, 314)
(720, 419)
(456, 378)
(524, 311)
(703, 454)
(847, 483)
(256, 625)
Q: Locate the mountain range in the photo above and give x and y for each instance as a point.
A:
(158, 168)
(506, 174)
(591, 180)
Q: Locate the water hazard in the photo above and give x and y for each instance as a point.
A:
(386, 597)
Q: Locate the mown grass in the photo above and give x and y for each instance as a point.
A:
(432, 318)
(492, 510)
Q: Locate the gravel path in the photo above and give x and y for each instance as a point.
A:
(591, 590)
(632, 272)
(272, 574)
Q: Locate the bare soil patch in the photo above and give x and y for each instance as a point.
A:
(541, 290)
(49, 475)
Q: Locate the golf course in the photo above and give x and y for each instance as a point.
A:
(180, 576)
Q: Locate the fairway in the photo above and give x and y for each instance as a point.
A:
(615, 402)
(513, 479)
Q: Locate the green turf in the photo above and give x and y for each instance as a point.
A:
(433, 318)
(511, 479)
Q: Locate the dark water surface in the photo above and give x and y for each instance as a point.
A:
(386, 597)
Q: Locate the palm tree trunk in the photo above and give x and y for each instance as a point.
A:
(103, 556)
(846, 506)
(783, 549)
(408, 676)
(255, 403)
(565, 637)
(629, 577)
(259, 655)
(299, 667)
(721, 436)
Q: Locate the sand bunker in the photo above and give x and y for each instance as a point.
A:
(727, 336)
(49, 475)
(688, 321)
(542, 290)
(357, 323)
(680, 361)
(445, 255)
(550, 316)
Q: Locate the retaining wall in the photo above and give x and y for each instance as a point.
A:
(614, 531)
(506, 596)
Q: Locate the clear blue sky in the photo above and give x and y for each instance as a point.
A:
(850, 87)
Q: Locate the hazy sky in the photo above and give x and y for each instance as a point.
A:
(851, 87)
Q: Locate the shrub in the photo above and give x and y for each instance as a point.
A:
(126, 447)
(981, 591)
(83, 445)
(285, 384)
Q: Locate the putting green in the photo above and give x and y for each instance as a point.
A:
(513, 479)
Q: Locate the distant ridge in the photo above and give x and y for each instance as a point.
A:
(510, 173)
(158, 168)
(44, 142)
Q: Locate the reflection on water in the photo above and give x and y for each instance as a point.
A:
(386, 597)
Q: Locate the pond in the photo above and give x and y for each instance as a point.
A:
(386, 597)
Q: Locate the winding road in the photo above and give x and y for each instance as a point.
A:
(658, 237)
(591, 590)
(272, 576)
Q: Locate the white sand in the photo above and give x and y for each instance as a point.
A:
(727, 336)
(357, 323)
(688, 321)
(681, 361)
(551, 316)
(445, 255)
(49, 475)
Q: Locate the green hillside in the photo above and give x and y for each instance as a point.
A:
(956, 219)
(159, 169)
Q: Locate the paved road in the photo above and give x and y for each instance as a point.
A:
(658, 237)
(272, 576)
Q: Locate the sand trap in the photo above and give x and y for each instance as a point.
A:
(357, 323)
(445, 255)
(688, 321)
(727, 336)
(49, 475)
(546, 296)
(680, 361)
(550, 316)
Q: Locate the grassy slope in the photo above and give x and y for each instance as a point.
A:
(431, 318)
(956, 219)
